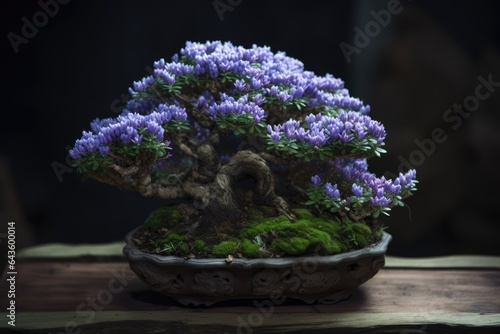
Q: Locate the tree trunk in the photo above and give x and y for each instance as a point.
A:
(209, 185)
(220, 203)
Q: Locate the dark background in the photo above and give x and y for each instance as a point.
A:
(427, 58)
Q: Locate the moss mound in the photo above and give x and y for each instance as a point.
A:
(165, 217)
(259, 236)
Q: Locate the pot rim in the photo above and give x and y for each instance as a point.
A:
(135, 254)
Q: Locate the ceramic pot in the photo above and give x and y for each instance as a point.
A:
(312, 279)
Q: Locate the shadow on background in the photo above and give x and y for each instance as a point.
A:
(421, 61)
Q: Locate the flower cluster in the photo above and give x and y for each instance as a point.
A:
(269, 97)
(331, 190)
(128, 128)
(254, 86)
(361, 192)
(256, 70)
(228, 105)
(319, 129)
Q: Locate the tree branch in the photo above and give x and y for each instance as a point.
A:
(124, 171)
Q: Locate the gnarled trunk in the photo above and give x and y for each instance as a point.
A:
(208, 184)
(219, 203)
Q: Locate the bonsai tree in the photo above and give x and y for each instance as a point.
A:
(263, 157)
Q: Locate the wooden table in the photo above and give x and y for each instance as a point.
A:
(90, 289)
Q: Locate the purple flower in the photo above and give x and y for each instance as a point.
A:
(317, 138)
(256, 83)
(316, 180)
(237, 107)
(357, 190)
(393, 188)
(241, 85)
(274, 90)
(380, 201)
(104, 150)
(125, 128)
(201, 102)
(275, 136)
(213, 71)
(284, 96)
(258, 99)
(380, 192)
(274, 133)
(165, 75)
(137, 139)
(160, 64)
(406, 179)
(310, 119)
(297, 91)
(143, 84)
(331, 191)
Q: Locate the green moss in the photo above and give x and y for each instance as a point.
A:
(377, 234)
(303, 214)
(359, 235)
(200, 246)
(361, 228)
(183, 248)
(275, 234)
(174, 238)
(249, 249)
(294, 246)
(308, 234)
(254, 213)
(225, 248)
(168, 217)
(322, 242)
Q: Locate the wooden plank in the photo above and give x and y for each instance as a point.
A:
(113, 252)
(442, 262)
(95, 294)
(205, 322)
(69, 251)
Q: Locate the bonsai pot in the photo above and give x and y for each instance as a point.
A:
(312, 279)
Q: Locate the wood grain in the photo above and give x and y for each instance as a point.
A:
(113, 252)
(102, 297)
